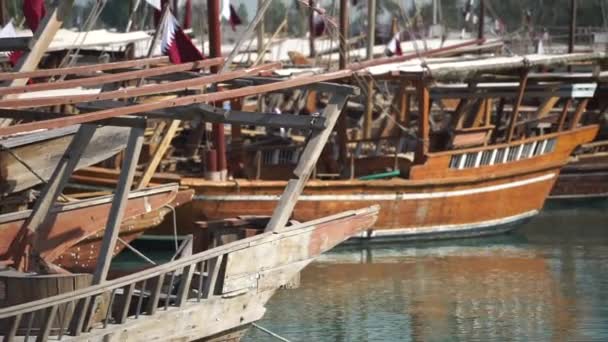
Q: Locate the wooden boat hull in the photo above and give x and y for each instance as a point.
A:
(254, 269)
(42, 152)
(74, 222)
(586, 178)
(431, 204)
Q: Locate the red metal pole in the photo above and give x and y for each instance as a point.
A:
(311, 27)
(215, 50)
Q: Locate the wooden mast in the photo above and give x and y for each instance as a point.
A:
(342, 124)
(571, 36)
(260, 31)
(215, 50)
(371, 28)
(311, 28)
(482, 17)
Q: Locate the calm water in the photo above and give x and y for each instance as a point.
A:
(548, 281)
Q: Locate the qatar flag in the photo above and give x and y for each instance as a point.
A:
(175, 43)
(394, 46)
(34, 11)
(229, 13)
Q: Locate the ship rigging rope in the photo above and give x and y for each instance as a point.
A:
(71, 56)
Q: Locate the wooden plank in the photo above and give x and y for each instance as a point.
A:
(306, 164)
(218, 115)
(158, 154)
(184, 286)
(60, 176)
(136, 139)
(170, 103)
(214, 271)
(128, 295)
(49, 319)
(424, 129)
(110, 78)
(79, 317)
(515, 113)
(83, 69)
(155, 294)
(39, 43)
(546, 106)
(369, 109)
(12, 328)
(578, 113)
(564, 115)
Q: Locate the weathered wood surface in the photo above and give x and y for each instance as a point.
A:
(42, 151)
(182, 101)
(74, 222)
(234, 303)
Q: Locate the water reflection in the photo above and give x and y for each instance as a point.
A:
(545, 282)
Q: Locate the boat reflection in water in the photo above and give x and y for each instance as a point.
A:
(546, 282)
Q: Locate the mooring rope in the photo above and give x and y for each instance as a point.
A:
(270, 333)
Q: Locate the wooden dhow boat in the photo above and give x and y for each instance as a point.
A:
(479, 155)
(212, 294)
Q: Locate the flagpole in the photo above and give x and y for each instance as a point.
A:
(215, 50)
(260, 33)
(311, 28)
(343, 34)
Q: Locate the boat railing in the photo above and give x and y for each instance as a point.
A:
(172, 285)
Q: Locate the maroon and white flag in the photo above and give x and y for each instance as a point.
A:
(394, 46)
(229, 13)
(8, 31)
(34, 11)
(175, 43)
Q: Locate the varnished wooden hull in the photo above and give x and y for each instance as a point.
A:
(435, 202)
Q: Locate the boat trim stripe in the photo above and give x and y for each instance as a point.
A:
(380, 197)
(447, 228)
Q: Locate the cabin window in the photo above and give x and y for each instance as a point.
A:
(525, 153)
(455, 161)
(550, 146)
(470, 160)
(512, 153)
(267, 157)
(538, 149)
(500, 155)
(285, 156)
(486, 157)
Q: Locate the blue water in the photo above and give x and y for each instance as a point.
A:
(548, 281)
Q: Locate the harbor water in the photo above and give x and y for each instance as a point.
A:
(547, 281)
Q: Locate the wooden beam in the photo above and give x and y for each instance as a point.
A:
(110, 78)
(56, 183)
(306, 165)
(515, 114)
(121, 197)
(424, 109)
(371, 28)
(170, 103)
(83, 69)
(369, 109)
(578, 113)
(564, 115)
(546, 106)
(158, 154)
(197, 82)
